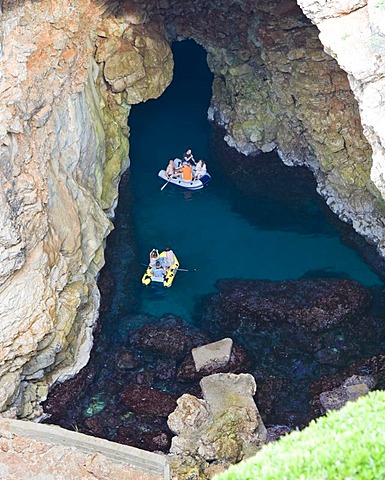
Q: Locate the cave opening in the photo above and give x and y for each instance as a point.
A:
(273, 228)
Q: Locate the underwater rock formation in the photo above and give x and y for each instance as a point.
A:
(125, 394)
(296, 332)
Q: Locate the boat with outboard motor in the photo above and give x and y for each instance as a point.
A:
(188, 184)
(165, 275)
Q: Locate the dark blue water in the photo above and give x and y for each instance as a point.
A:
(281, 231)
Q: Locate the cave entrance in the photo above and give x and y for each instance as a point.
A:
(266, 224)
(274, 227)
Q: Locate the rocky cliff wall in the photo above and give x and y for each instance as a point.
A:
(353, 33)
(63, 147)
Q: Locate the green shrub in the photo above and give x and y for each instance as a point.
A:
(345, 444)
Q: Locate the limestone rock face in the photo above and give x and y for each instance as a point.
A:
(63, 147)
(137, 60)
(222, 428)
(359, 27)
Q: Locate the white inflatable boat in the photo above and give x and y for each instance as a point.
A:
(188, 184)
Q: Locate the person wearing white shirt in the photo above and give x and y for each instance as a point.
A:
(200, 170)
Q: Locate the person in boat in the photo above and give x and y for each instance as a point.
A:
(170, 257)
(200, 170)
(186, 172)
(170, 170)
(188, 157)
(154, 256)
(158, 270)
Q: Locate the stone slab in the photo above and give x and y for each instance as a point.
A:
(216, 354)
(32, 450)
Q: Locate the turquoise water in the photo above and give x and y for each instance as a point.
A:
(283, 231)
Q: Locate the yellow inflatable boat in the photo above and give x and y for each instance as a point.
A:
(161, 274)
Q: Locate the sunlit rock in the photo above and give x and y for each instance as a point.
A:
(223, 428)
(71, 71)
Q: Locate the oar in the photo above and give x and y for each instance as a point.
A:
(179, 269)
(165, 185)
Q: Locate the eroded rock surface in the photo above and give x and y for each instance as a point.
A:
(276, 87)
(63, 147)
(223, 428)
(359, 27)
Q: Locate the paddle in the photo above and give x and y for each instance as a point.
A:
(179, 269)
(165, 185)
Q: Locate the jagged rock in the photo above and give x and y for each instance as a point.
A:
(359, 26)
(192, 413)
(224, 426)
(239, 362)
(57, 196)
(353, 388)
(369, 373)
(186, 467)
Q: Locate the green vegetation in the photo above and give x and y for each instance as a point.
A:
(346, 444)
(380, 4)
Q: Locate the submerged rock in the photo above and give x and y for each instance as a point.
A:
(314, 304)
(174, 339)
(144, 400)
(146, 437)
(62, 397)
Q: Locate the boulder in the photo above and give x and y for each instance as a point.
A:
(239, 362)
(224, 426)
(352, 389)
(213, 355)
